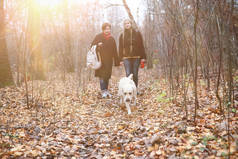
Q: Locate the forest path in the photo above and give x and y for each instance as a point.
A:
(65, 123)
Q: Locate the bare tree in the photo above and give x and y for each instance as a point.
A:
(196, 58)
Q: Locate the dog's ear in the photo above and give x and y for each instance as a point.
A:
(130, 76)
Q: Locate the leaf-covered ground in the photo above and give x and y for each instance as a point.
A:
(66, 122)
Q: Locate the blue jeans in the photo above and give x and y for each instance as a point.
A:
(132, 67)
(104, 83)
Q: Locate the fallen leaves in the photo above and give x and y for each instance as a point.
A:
(71, 124)
(108, 114)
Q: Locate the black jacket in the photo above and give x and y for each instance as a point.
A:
(131, 37)
(108, 53)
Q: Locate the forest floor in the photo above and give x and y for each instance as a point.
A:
(65, 122)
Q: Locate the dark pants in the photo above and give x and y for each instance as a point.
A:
(132, 67)
(104, 83)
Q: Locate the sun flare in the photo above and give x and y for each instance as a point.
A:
(48, 3)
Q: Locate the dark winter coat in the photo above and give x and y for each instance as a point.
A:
(131, 38)
(108, 53)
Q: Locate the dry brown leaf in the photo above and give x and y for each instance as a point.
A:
(138, 153)
(108, 114)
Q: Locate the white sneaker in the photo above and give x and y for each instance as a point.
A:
(104, 94)
(108, 94)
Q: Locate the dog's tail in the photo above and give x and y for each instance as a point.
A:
(130, 76)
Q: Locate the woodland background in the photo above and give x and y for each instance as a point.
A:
(49, 102)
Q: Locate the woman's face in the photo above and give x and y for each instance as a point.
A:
(127, 24)
(107, 30)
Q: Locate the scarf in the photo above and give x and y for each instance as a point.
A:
(106, 36)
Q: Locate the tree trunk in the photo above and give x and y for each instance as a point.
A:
(5, 70)
(196, 60)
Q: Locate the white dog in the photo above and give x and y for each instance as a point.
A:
(127, 91)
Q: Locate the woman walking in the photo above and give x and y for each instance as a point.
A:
(107, 50)
(131, 50)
